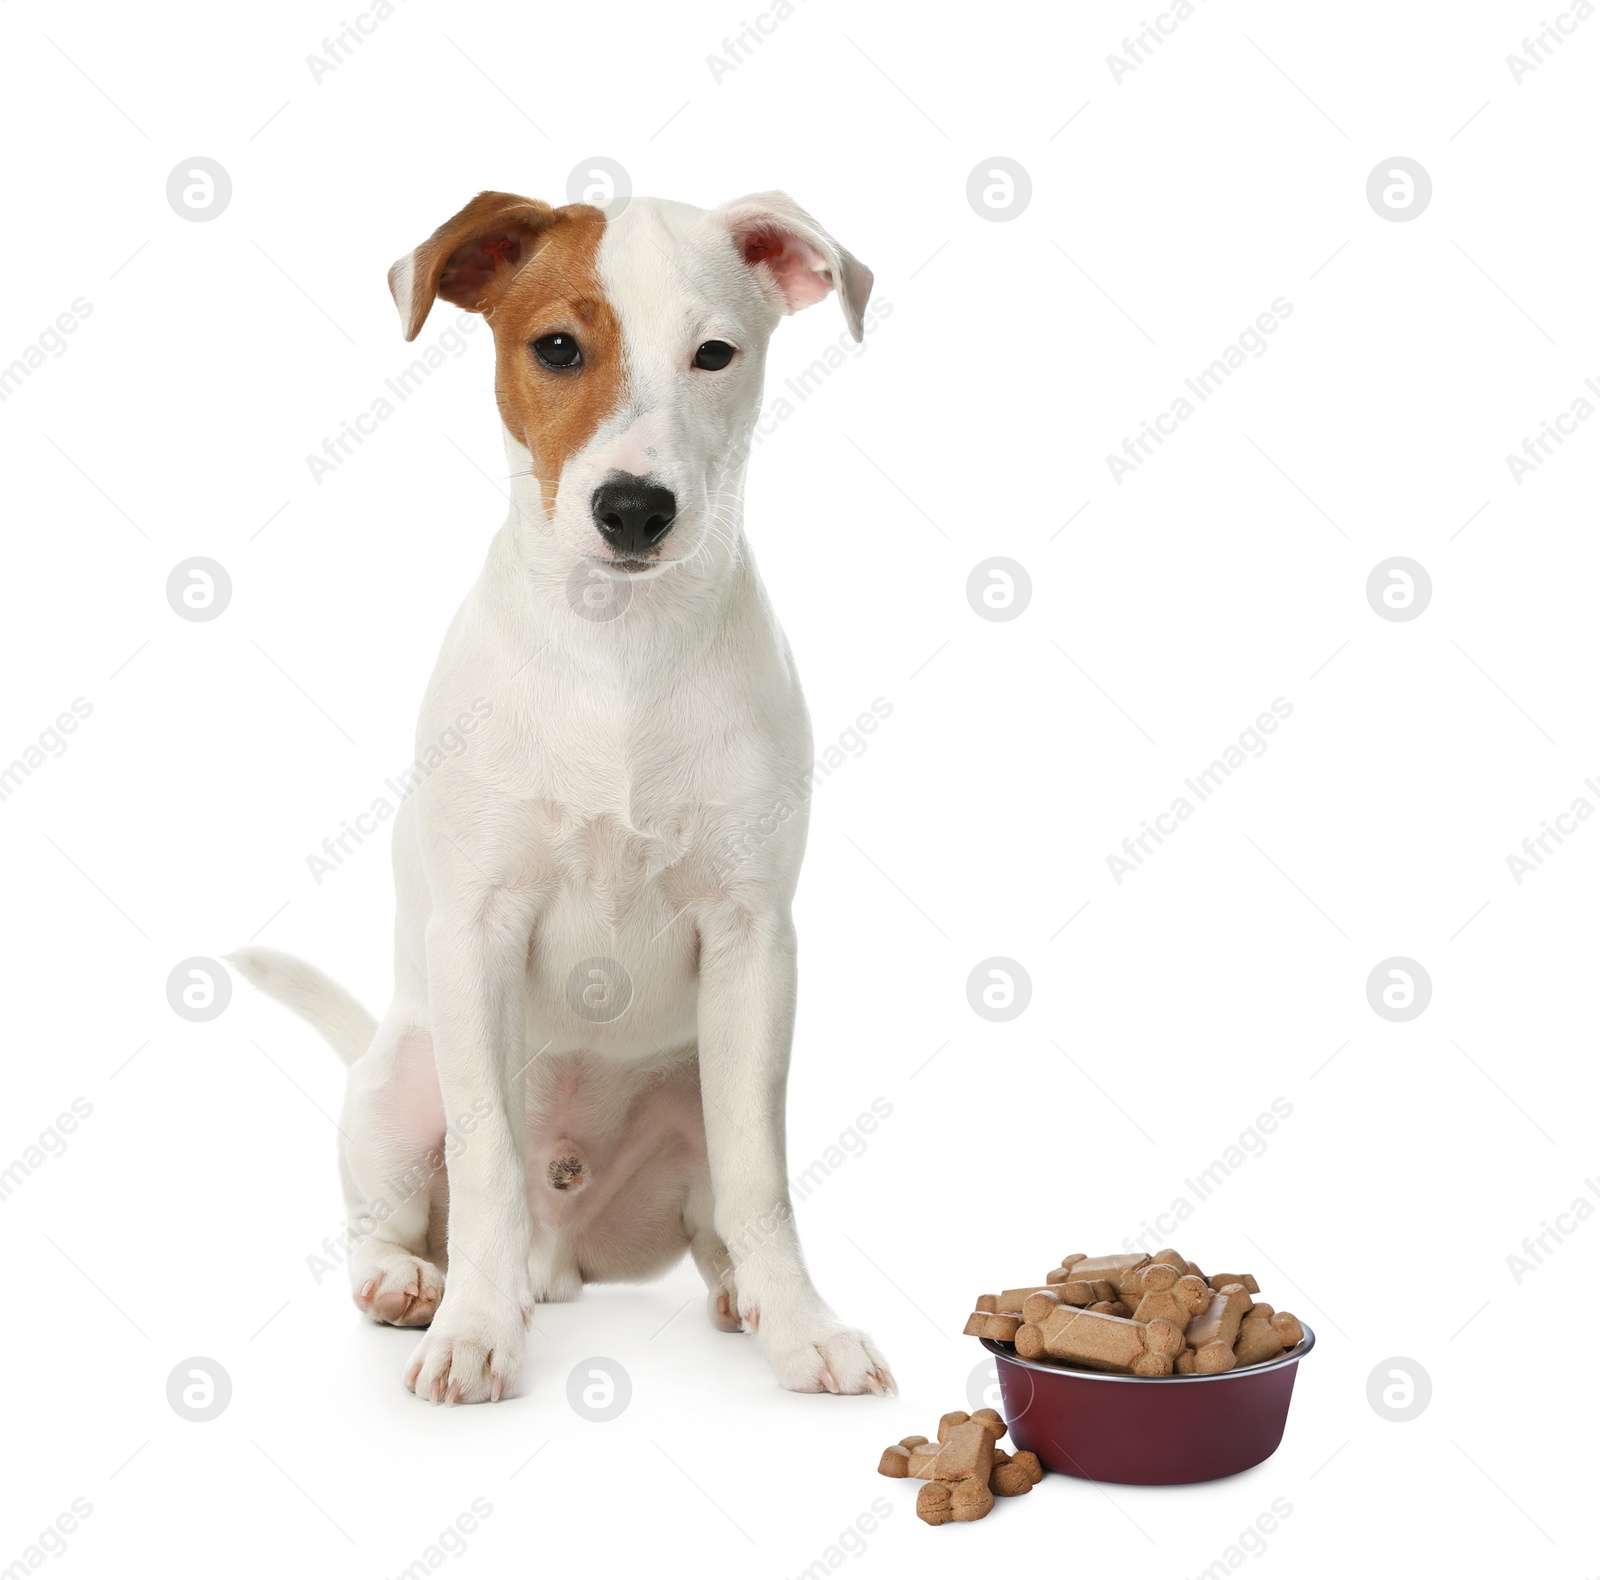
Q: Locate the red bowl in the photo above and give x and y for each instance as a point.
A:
(1146, 1431)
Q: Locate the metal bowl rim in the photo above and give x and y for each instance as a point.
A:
(1288, 1358)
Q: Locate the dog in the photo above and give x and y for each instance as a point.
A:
(582, 1072)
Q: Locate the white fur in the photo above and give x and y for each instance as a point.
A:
(402, 286)
(592, 815)
(313, 996)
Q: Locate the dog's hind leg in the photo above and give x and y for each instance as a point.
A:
(392, 1131)
(392, 1165)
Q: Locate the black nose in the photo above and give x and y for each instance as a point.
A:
(632, 514)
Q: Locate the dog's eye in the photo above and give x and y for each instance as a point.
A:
(560, 352)
(713, 356)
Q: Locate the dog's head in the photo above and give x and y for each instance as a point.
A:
(629, 352)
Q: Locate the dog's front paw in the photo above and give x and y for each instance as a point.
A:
(818, 1354)
(471, 1354)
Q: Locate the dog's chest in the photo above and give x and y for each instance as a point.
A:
(622, 829)
(610, 860)
(621, 795)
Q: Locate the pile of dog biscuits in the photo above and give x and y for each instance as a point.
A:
(1148, 1316)
(965, 1470)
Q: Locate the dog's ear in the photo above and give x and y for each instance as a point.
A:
(775, 235)
(470, 259)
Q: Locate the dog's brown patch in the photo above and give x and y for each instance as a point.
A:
(566, 1173)
(532, 270)
(558, 291)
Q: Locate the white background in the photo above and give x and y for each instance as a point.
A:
(1167, 611)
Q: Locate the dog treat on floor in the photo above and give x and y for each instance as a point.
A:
(1029, 1462)
(967, 1451)
(1141, 1315)
(965, 1470)
(942, 1501)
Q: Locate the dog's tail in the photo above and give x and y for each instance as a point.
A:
(314, 997)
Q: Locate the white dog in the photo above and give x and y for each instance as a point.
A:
(594, 960)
